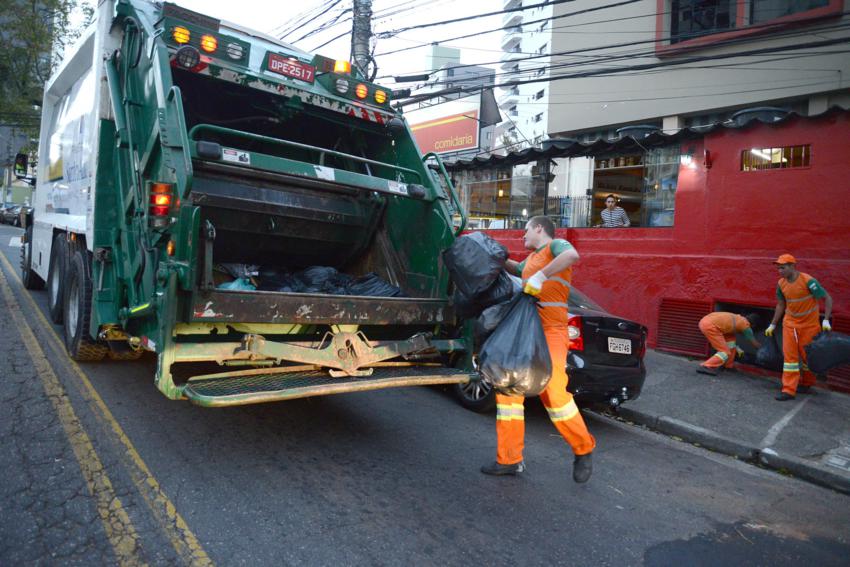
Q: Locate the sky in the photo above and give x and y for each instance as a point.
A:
(268, 16)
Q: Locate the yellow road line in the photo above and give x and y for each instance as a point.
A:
(170, 521)
(119, 529)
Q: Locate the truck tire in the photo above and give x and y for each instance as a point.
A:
(77, 309)
(30, 279)
(56, 277)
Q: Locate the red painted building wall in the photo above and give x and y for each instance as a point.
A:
(729, 226)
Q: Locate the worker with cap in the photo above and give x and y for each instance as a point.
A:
(797, 297)
(546, 274)
(720, 328)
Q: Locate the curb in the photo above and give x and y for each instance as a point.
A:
(714, 441)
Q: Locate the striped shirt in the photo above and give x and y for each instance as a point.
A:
(615, 218)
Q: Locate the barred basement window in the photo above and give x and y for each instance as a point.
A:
(758, 159)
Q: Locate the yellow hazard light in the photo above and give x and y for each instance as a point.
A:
(343, 67)
(209, 43)
(361, 90)
(380, 97)
(181, 35)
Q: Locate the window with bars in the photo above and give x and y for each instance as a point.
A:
(786, 157)
(694, 18)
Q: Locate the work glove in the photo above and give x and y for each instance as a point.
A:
(825, 325)
(769, 331)
(534, 284)
(739, 351)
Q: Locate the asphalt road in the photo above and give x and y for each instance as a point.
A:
(99, 468)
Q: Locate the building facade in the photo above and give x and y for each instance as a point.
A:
(526, 48)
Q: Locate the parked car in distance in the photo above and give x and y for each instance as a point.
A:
(604, 364)
(11, 215)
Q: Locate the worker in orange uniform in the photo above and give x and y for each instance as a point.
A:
(546, 273)
(797, 297)
(720, 328)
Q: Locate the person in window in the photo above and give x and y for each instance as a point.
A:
(612, 215)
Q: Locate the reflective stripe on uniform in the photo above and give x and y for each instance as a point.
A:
(552, 304)
(507, 412)
(563, 413)
(804, 298)
(800, 314)
(791, 366)
(731, 344)
(560, 280)
(722, 356)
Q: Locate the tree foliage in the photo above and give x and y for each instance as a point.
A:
(34, 34)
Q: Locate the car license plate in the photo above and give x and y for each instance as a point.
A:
(619, 346)
(291, 68)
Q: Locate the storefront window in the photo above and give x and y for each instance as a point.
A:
(662, 175)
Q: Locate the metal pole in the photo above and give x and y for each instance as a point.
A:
(361, 33)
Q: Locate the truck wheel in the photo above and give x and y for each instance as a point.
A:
(477, 396)
(30, 279)
(77, 309)
(56, 277)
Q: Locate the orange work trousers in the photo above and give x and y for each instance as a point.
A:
(510, 418)
(794, 369)
(723, 344)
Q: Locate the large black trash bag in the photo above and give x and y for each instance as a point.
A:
(489, 320)
(373, 286)
(827, 351)
(770, 355)
(515, 359)
(503, 289)
(474, 262)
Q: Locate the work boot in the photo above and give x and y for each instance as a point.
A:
(783, 397)
(707, 370)
(498, 469)
(582, 468)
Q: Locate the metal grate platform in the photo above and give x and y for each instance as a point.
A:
(274, 386)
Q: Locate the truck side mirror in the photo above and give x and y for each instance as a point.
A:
(21, 165)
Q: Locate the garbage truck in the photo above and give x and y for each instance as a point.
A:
(173, 143)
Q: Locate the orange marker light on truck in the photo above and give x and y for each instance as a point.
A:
(380, 97)
(160, 202)
(343, 67)
(361, 90)
(181, 35)
(209, 43)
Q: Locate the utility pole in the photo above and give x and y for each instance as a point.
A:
(361, 33)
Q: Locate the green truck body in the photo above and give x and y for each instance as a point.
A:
(172, 143)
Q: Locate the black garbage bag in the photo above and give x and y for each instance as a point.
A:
(503, 289)
(515, 359)
(489, 320)
(827, 351)
(273, 278)
(770, 355)
(474, 262)
(315, 279)
(373, 286)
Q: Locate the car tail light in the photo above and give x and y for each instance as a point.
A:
(574, 330)
(160, 203)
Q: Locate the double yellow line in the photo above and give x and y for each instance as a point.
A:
(117, 524)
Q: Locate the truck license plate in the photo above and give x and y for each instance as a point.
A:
(291, 68)
(619, 346)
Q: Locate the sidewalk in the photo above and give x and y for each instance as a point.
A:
(735, 413)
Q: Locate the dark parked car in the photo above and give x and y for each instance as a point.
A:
(604, 364)
(11, 215)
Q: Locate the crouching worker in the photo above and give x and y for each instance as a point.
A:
(546, 273)
(720, 328)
